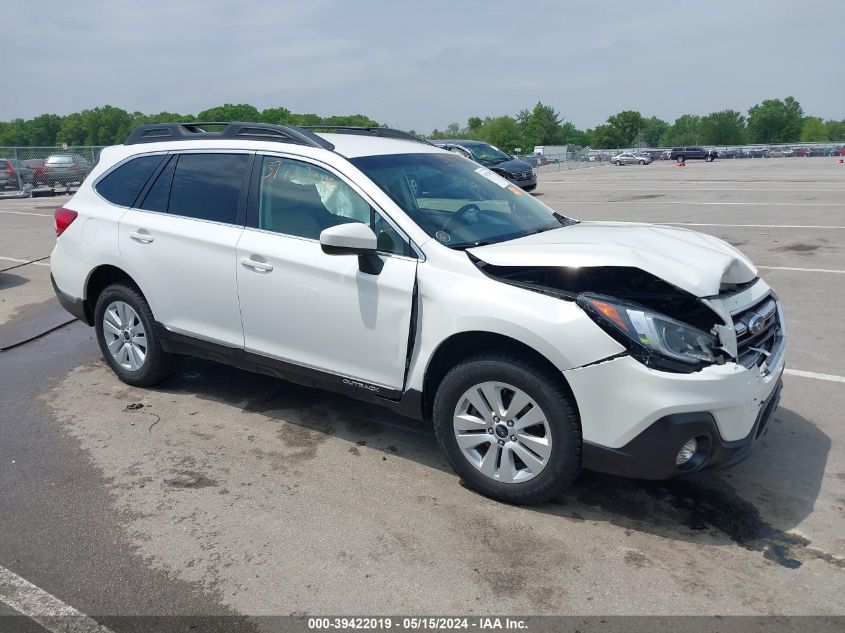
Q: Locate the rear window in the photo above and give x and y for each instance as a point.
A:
(123, 185)
(207, 186)
(55, 160)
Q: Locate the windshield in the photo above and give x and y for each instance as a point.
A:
(456, 201)
(486, 154)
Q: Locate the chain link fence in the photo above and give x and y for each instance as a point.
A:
(590, 157)
(33, 171)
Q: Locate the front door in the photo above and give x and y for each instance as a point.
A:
(315, 310)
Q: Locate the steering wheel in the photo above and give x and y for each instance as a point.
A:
(459, 214)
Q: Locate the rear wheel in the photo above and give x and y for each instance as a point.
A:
(508, 428)
(708, 159)
(124, 327)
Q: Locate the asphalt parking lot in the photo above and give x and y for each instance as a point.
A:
(223, 492)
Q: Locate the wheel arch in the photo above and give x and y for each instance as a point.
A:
(462, 345)
(98, 280)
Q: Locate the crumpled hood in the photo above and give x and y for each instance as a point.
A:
(689, 260)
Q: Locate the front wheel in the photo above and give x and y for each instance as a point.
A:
(508, 428)
(642, 162)
(124, 326)
(681, 159)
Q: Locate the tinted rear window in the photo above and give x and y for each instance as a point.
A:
(123, 185)
(208, 186)
(53, 160)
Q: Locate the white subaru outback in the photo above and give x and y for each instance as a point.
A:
(367, 262)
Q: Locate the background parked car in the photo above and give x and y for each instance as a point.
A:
(630, 158)
(775, 152)
(801, 151)
(682, 154)
(65, 169)
(839, 151)
(755, 152)
(14, 174)
(513, 169)
(38, 168)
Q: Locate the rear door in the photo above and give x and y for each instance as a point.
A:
(318, 311)
(179, 243)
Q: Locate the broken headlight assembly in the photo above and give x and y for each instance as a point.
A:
(652, 338)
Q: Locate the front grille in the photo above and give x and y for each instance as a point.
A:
(759, 332)
(522, 175)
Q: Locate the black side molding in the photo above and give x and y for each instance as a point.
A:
(408, 403)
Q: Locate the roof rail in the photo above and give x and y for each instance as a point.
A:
(384, 132)
(195, 130)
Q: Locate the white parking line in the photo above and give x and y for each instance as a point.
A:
(43, 215)
(50, 612)
(24, 261)
(756, 226)
(804, 270)
(811, 374)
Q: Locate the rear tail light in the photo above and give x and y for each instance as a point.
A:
(64, 218)
(9, 169)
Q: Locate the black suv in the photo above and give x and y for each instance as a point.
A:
(516, 170)
(681, 154)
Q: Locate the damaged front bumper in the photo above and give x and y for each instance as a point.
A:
(635, 419)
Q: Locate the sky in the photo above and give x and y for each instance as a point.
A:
(423, 64)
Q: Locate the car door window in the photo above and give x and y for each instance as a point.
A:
(208, 186)
(302, 200)
(123, 185)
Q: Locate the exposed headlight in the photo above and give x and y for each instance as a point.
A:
(656, 337)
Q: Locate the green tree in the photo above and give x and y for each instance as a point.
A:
(540, 127)
(813, 130)
(775, 121)
(474, 123)
(686, 130)
(628, 123)
(835, 130)
(652, 131)
(501, 131)
(606, 136)
(277, 116)
(230, 112)
(726, 127)
(357, 120)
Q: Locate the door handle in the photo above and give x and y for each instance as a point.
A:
(143, 237)
(264, 267)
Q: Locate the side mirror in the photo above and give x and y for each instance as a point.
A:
(353, 238)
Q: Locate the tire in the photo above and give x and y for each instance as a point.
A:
(681, 159)
(619, 163)
(156, 364)
(642, 162)
(708, 159)
(561, 429)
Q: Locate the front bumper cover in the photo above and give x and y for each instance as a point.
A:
(652, 453)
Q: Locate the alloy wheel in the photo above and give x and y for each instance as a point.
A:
(125, 335)
(503, 432)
